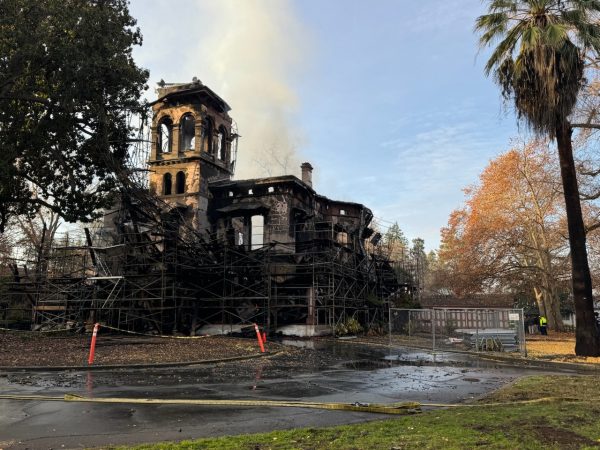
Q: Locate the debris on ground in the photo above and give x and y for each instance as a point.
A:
(31, 349)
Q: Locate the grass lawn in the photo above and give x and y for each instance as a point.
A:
(505, 420)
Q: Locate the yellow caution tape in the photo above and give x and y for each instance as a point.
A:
(111, 328)
(12, 330)
(154, 335)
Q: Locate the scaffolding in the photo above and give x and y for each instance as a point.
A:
(143, 269)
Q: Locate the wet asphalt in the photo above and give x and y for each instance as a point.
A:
(357, 374)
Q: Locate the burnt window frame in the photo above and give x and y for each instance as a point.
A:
(221, 143)
(182, 133)
(167, 122)
(208, 127)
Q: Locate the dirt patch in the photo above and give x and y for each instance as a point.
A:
(566, 439)
(29, 349)
(485, 429)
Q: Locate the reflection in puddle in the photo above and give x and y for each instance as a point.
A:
(440, 359)
(362, 357)
(89, 384)
(257, 378)
(366, 364)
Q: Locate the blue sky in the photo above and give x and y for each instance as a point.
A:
(387, 99)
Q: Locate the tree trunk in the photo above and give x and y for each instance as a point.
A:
(550, 295)
(553, 310)
(539, 299)
(587, 341)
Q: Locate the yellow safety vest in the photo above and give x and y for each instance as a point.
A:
(543, 321)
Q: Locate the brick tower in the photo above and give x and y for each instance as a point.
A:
(193, 143)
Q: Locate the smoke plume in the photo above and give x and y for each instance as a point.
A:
(249, 53)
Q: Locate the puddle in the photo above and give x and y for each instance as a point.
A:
(396, 361)
(368, 364)
(417, 358)
(364, 357)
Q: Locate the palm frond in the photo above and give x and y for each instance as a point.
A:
(491, 26)
(506, 6)
(531, 37)
(505, 48)
(538, 61)
(589, 35)
(555, 35)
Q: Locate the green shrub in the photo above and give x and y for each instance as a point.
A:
(350, 326)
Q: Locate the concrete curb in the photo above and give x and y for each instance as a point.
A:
(130, 366)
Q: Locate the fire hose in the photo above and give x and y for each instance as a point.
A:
(401, 408)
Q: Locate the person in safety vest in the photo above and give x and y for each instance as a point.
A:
(543, 326)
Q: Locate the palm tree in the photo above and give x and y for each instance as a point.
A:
(538, 64)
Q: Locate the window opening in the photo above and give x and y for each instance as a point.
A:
(222, 144)
(188, 132)
(219, 145)
(180, 183)
(342, 212)
(239, 228)
(257, 231)
(164, 135)
(207, 135)
(342, 238)
(167, 184)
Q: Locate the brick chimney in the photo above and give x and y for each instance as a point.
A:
(307, 173)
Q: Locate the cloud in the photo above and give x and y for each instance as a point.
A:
(427, 18)
(431, 165)
(444, 157)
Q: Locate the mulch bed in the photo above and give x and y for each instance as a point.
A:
(34, 349)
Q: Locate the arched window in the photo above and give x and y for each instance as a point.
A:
(222, 144)
(180, 183)
(167, 182)
(207, 135)
(163, 135)
(187, 130)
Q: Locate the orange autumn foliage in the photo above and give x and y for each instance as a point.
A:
(510, 230)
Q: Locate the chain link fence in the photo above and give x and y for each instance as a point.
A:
(467, 329)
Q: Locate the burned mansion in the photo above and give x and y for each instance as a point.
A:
(196, 251)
